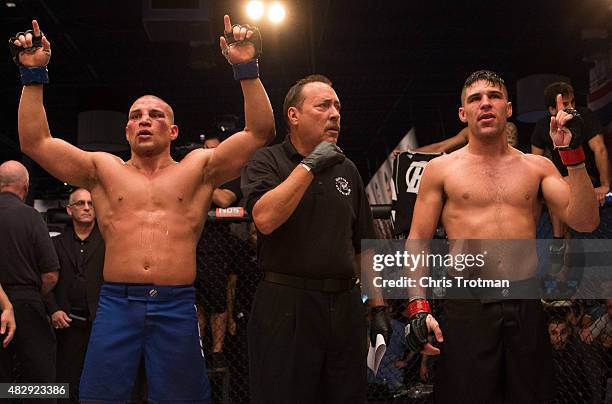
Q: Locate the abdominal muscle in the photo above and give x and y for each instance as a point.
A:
(150, 247)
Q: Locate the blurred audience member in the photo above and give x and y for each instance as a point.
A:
(72, 304)
(29, 271)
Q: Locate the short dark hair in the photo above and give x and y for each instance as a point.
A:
(484, 75)
(294, 97)
(551, 91)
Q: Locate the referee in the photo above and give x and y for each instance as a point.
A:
(307, 331)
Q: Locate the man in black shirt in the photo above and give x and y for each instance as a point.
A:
(28, 271)
(72, 304)
(307, 327)
(595, 152)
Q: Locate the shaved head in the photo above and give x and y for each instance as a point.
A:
(14, 178)
(167, 106)
(13, 173)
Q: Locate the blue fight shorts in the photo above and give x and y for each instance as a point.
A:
(157, 323)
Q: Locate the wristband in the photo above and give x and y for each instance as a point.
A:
(247, 70)
(417, 306)
(34, 75)
(306, 167)
(571, 157)
(576, 167)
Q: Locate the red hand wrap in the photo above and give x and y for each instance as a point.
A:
(417, 306)
(572, 157)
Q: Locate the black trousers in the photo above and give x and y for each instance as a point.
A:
(494, 353)
(307, 346)
(71, 349)
(33, 346)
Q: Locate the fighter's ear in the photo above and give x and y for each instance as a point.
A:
(462, 117)
(174, 131)
(509, 111)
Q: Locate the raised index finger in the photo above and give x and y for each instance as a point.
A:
(35, 28)
(560, 106)
(227, 23)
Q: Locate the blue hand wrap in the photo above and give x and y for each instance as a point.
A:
(34, 75)
(247, 70)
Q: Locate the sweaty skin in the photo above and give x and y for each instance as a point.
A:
(488, 190)
(150, 209)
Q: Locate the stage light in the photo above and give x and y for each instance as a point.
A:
(255, 9)
(276, 12)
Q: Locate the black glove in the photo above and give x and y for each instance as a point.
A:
(572, 155)
(380, 324)
(325, 155)
(255, 39)
(416, 330)
(16, 50)
(576, 126)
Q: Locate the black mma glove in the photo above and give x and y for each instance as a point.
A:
(255, 39)
(325, 155)
(416, 330)
(250, 69)
(572, 154)
(380, 324)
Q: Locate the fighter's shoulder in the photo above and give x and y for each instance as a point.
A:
(101, 159)
(197, 156)
(444, 161)
(537, 162)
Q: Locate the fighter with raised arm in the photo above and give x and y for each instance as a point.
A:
(488, 190)
(151, 210)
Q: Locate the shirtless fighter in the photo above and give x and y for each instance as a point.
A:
(489, 190)
(151, 211)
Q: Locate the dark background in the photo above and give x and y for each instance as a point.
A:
(395, 64)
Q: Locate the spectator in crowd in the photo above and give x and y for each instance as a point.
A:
(7, 319)
(73, 302)
(215, 264)
(595, 152)
(570, 371)
(29, 271)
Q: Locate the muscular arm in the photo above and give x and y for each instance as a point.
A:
(49, 280)
(448, 145)
(277, 205)
(571, 198)
(427, 210)
(61, 159)
(229, 157)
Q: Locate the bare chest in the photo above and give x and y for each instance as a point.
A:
(126, 190)
(482, 185)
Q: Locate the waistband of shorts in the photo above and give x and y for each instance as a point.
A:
(321, 285)
(147, 291)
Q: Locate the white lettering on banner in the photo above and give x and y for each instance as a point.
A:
(234, 211)
(413, 176)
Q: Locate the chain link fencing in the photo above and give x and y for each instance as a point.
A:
(580, 331)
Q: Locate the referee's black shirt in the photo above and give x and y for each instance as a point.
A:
(321, 237)
(26, 250)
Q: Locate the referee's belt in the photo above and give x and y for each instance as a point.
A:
(321, 285)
